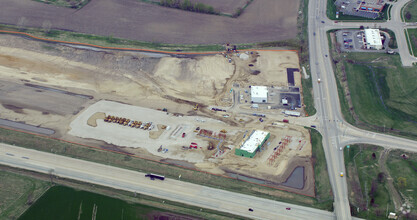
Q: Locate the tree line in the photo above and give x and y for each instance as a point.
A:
(187, 5)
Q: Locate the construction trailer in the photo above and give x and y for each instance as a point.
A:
(252, 143)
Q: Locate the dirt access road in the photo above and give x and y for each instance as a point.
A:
(135, 20)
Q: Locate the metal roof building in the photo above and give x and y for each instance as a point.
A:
(373, 39)
(259, 94)
(251, 145)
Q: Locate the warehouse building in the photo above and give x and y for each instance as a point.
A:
(252, 144)
(373, 39)
(259, 94)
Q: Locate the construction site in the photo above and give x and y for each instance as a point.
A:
(193, 110)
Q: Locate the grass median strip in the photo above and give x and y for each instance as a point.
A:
(412, 40)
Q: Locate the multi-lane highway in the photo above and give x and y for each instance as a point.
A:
(168, 189)
(335, 131)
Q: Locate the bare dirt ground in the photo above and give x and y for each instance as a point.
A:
(129, 18)
(131, 80)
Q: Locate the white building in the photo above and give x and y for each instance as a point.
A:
(259, 94)
(373, 39)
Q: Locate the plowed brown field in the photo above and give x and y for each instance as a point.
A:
(262, 20)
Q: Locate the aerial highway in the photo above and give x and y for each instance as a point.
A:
(336, 132)
(169, 189)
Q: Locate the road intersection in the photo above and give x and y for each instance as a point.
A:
(335, 130)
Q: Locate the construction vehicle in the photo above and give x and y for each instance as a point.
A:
(196, 107)
(126, 122)
(138, 125)
(341, 174)
(223, 131)
(160, 148)
(193, 145)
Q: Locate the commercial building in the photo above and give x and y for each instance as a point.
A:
(259, 94)
(373, 39)
(252, 144)
(362, 8)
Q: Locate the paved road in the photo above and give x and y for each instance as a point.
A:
(169, 189)
(335, 131)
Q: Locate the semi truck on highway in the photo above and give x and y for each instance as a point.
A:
(155, 176)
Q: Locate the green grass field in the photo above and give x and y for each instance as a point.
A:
(324, 193)
(61, 202)
(17, 193)
(400, 167)
(138, 164)
(367, 192)
(410, 11)
(307, 84)
(76, 4)
(383, 93)
(412, 34)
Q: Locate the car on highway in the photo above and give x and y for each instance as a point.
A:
(288, 208)
(341, 148)
(183, 135)
(250, 210)
(322, 22)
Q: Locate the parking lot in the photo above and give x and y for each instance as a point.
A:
(354, 41)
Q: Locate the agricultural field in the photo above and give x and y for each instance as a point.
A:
(410, 11)
(75, 4)
(230, 8)
(84, 205)
(162, 25)
(18, 193)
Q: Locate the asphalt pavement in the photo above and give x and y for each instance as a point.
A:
(169, 189)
